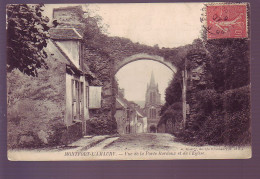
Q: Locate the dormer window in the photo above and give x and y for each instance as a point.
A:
(68, 40)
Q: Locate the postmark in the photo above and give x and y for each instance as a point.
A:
(226, 21)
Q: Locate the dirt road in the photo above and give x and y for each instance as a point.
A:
(146, 146)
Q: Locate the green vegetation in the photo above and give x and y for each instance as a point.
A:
(27, 34)
(218, 94)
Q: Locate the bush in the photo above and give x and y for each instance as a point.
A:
(172, 117)
(208, 101)
(238, 127)
(220, 118)
(212, 131)
(204, 103)
(237, 99)
(101, 126)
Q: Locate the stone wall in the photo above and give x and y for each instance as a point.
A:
(74, 132)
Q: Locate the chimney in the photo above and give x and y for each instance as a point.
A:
(69, 17)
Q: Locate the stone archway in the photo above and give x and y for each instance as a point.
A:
(143, 56)
(118, 64)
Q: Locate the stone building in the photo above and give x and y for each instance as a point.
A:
(52, 108)
(129, 117)
(138, 119)
(122, 116)
(80, 96)
(152, 104)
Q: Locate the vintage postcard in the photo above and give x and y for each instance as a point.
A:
(151, 81)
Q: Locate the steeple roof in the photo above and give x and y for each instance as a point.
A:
(152, 81)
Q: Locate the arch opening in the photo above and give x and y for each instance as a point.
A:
(153, 129)
(138, 57)
(141, 81)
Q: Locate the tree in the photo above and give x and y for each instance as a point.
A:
(27, 35)
(229, 61)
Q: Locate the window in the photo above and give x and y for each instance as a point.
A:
(128, 113)
(87, 97)
(74, 98)
(77, 100)
(152, 97)
(81, 100)
(152, 113)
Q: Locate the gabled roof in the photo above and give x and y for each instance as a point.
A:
(139, 113)
(122, 103)
(70, 67)
(64, 34)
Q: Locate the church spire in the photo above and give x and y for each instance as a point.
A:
(152, 81)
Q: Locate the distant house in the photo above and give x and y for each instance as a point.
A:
(141, 123)
(128, 117)
(122, 116)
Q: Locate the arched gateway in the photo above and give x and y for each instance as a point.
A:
(143, 56)
(126, 114)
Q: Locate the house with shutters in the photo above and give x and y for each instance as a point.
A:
(79, 95)
(53, 108)
(66, 41)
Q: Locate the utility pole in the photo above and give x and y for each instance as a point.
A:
(184, 91)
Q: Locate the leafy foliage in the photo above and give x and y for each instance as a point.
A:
(172, 118)
(226, 120)
(27, 34)
(101, 126)
(218, 94)
(173, 92)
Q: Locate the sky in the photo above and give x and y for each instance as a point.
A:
(163, 24)
(135, 76)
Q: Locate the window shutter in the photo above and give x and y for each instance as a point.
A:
(94, 97)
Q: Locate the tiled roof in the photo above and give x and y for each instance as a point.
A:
(64, 34)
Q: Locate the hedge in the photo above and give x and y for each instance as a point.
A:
(220, 118)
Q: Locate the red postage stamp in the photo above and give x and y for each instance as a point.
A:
(227, 21)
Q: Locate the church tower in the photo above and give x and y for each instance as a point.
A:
(152, 104)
